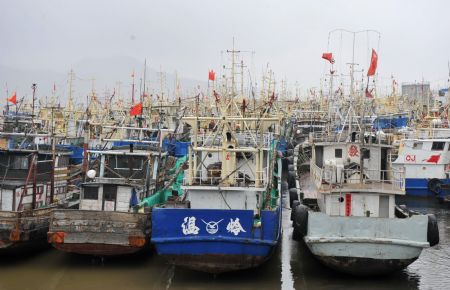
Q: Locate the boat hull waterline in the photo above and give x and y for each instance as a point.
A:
(220, 240)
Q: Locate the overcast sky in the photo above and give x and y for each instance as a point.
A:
(188, 36)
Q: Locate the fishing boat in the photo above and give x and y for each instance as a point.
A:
(426, 163)
(356, 227)
(31, 186)
(227, 214)
(107, 221)
(228, 217)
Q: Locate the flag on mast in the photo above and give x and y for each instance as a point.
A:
(373, 63)
(136, 110)
(13, 99)
(211, 75)
(328, 56)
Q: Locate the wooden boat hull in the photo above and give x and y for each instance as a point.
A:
(100, 233)
(22, 230)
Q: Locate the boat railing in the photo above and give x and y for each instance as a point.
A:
(430, 133)
(345, 136)
(213, 177)
(332, 177)
(316, 175)
(246, 138)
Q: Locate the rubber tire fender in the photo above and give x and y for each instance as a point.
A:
(434, 185)
(432, 230)
(295, 203)
(293, 196)
(300, 222)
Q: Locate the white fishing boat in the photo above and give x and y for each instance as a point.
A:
(358, 229)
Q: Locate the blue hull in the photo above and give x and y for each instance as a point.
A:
(419, 187)
(214, 242)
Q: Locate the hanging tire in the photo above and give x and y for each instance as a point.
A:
(295, 203)
(293, 196)
(284, 185)
(290, 160)
(300, 222)
(432, 230)
(435, 186)
(291, 181)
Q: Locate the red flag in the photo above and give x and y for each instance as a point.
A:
(13, 99)
(328, 56)
(211, 75)
(373, 63)
(136, 110)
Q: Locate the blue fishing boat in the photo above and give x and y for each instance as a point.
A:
(227, 214)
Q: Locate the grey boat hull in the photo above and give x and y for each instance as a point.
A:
(366, 246)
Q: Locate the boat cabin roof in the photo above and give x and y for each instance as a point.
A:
(127, 152)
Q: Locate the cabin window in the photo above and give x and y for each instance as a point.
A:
(121, 162)
(366, 153)
(438, 146)
(20, 162)
(90, 192)
(109, 192)
(125, 162)
(418, 145)
(338, 153)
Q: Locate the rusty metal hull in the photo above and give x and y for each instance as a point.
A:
(365, 266)
(97, 249)
(24, 230)
(99, 233)
(216, 263)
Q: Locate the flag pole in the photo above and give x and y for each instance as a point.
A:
(7, 102)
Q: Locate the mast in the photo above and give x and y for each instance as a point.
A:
(33, 87)
(34, 164)
(71, 79)
(448, 89)
(145, 72)
(7, 102)
(233, 64)
(132, 89)
(52, 183)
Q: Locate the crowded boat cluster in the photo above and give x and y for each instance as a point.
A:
(203, 181)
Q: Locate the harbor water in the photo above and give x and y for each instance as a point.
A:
(291, 267)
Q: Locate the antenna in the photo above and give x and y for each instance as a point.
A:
(33, 87)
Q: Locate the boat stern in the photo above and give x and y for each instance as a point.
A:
(214, 241)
